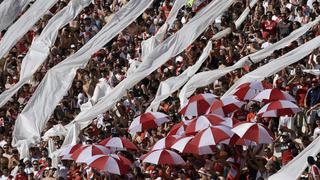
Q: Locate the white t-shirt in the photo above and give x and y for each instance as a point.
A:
(316, 132)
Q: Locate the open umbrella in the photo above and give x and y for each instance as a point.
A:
(204, 121)
(198, 104)
(273, 95)
(162, 157)
(165, 142)
(66, 152)
(248, 91)
(183, 146)
(118, 143)
(278, 108)
(253, 131)
(87, 151)
(111, 163)
(225, 105)
(147, 121)
(179, 129)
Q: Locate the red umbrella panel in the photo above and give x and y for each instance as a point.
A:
(118, 143)
(254, 132)
(198, 105)
(148, 120)
(279, 108)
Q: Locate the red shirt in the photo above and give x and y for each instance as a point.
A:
(21, 176)
(269, 27)
(166, 10)
(301, 94)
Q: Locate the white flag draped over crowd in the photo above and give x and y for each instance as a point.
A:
(32, 120)
(207, 77)
(171, 47)
(58, 79)
(24, 24)
(40, 47)
(10, 10)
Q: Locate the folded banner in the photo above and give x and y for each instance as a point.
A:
(58, 79)
(10, 10)
(40, 47)
(169, 48)
(167, 87)
(205, 78)
(23, 25)
(296, 166)
(315, 72)
(276, 65)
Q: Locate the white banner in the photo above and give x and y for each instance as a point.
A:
(161, 54)
(295, 167)
(40, 47)
(10, 10)
(167, 87)
(58, 79)
(24, 24)
(315, 72)
(276, 65)
(205, 78)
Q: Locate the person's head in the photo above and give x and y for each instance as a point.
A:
(315, 5)
(269, 15)
(311, 160)
(35, 164)
(268, 152)
(21, 167)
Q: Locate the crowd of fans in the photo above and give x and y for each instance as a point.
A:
(268, 22)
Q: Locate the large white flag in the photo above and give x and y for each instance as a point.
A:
(40, 47)
(24, 24)
(276, 65)
(58, 79)
(205, 78)
(10, 10)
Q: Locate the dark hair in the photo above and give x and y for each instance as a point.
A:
(311, 160)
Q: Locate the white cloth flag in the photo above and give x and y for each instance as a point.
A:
(315, 72)
(40, 47)
(10, 10)
(24, 24)
(167, 87)
(148, 45)
(58, 79)
(161, 54)
(205, 78)
(276, 65)
(295, 167)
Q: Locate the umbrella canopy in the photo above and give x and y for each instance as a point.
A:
(278, 108)
(162, 157)
(204, 121)
(211, 136)
(114, 164)
(248, 91)
(225, 105)
(273, 95)
(198, 105)
(65, 154)
(147, 121)
(165, 142)
(118, 143)
(179, 129)
(87, 151)
(254, 132)
(183, 146)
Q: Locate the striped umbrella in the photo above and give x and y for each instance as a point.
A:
(148, 120)
(162, 157)
(198, 105)
(254, 132)
(278, 108)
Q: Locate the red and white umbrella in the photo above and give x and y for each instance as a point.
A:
(248, 91)
(165, 142)
(183, 146)
(148, 120)
(236, 140)
(253, 131)
(66, 152)
(273, 95)
(179, 129)
(87, 151)
(162, 157)
(111, 163)
(225, 106)
(198, 105)
(118, 143)
(205, 121)
(278, 108)
(211, 136)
